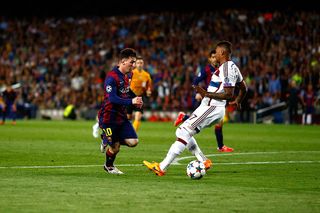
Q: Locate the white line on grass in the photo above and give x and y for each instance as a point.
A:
(177, 164)
(58, 167)
(269, 162)
(244, 153)
(182, 158)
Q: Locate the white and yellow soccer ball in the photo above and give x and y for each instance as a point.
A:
(196, 170)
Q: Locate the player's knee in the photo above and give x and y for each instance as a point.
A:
(218, 126)
(183, 134)
(191, 147)
(132, 142)
(138, 116)
(114, 149)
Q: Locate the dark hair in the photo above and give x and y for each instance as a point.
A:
(226, 45)
(127, 53)
(212, 52)
(139, 57)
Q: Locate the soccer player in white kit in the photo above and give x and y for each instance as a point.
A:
(210, 111)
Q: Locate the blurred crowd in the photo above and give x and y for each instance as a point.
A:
(63, 60)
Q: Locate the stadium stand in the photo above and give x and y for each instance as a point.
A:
(63, 60)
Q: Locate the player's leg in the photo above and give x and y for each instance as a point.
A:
(13, 111)
(185, 139)
(111, 154)
(128, 135)
(218, 133)
(183, 135)
(181, 118)
(219, 138)
(202, 117)
(95, 128)
(110, 140)
(2, 114)
(193, 147)
(307, 115)
(175, 150)
(105, 129)
(137, 120)
(110, 137)
(14, 114)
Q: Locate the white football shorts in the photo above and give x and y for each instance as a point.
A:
(202, 117)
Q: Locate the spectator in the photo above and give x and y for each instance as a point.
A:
(309, 100)
(8, 106)
(59, 58)
(293, 100)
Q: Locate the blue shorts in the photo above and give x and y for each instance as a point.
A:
(7, 109)
(113, 133)
(132, 108)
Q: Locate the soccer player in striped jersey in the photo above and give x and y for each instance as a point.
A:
(116, 128)
(141, 85)
(205, 75)
(211, 110)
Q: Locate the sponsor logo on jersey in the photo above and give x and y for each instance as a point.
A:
(124, 89)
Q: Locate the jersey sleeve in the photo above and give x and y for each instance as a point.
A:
(200, 77)
(111, 89)
(232, 75)
(131, 94)
(149, 84)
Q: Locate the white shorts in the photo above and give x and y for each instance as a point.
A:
(203, 117)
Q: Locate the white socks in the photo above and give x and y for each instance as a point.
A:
(195, 149)
(184, 139)
(95, 130)
(175, 150)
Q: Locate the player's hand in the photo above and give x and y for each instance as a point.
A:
(238, 105)
(200, 90)
(198, 97)
(14, 108)
(137, 101)
(149, 93)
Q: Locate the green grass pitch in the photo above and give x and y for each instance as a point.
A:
(56, 166)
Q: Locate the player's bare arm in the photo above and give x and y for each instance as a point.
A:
(227, 95)
(149, 92)
(242, 94)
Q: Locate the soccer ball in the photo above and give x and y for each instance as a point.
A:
(196, 169)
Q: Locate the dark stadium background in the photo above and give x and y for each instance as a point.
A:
(16, 9)
(112, 7)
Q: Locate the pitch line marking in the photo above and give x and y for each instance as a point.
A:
(176, 161)
(176, 164)
(179, 159)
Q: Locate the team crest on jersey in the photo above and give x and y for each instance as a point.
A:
(108, 89)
